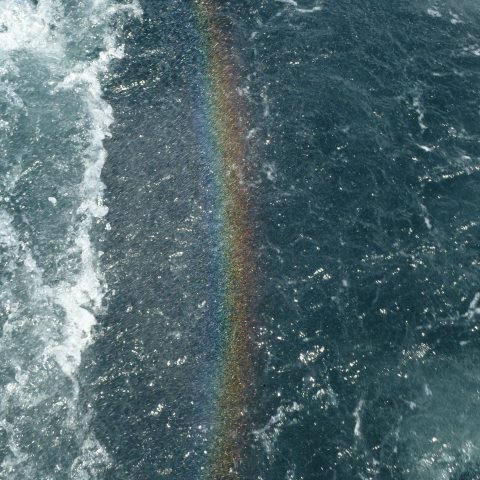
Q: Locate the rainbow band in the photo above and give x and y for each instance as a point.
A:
(224, 141)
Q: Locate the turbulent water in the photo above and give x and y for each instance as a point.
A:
(53, 123)
(364, 164)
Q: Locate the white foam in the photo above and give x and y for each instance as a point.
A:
(473, 308)
(433, 12)
(420, 112)
(270, 432)
(25, 27)
(426, 148)
(81, 298)
(357, 431)
(50, 322)
(91, 462)
(426, 217)
(317, 7)
(455, 19)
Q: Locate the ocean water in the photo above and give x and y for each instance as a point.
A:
(355, 126)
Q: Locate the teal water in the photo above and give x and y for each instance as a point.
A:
(52, 127)
(364, 153)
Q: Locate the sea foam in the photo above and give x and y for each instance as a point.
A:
(51, 147)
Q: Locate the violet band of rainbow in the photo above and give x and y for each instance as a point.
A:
(223, 137)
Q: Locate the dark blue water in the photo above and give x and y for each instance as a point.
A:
(365, 162)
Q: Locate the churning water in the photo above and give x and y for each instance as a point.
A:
(355, 126)
(52, 127)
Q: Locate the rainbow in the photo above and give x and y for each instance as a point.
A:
(222, 128)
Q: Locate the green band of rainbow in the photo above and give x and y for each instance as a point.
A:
(226, 134)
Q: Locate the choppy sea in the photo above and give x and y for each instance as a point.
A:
(362, 146)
